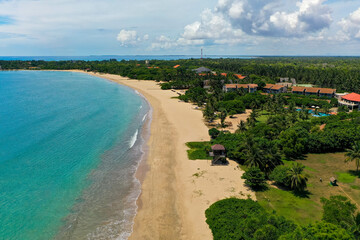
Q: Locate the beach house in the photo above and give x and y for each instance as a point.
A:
(218, 153)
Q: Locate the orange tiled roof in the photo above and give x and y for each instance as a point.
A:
(176, 66)
(277, 87)
(241, 85)
(353, 97)
(224, 74)
(312, 90)
(239, 76)
(298, 89)
(327, 90)
(269, 86)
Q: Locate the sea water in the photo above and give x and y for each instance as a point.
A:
(70, 144)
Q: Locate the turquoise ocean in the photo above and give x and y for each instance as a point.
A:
(70, 145)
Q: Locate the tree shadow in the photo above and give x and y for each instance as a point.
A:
(261, 188)
(354, 173)
(302, 194)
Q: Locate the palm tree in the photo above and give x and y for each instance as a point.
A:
(353, 154)
(223, 115)
(254, 156)
(241, 126)
(297, 178)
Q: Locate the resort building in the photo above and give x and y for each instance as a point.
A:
(239, 76)
(298, 90)
(312, 91)
(286, 84)
(202, 70)
(321, 92)
(251, 88)
(327, 92)
(274, 88)
(351, 100)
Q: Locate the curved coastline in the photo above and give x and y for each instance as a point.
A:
(172, 201)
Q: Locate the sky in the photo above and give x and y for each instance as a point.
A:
(173, 27)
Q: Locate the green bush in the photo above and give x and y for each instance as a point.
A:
(254, 178)
(213, 132)
(245, 219)
(280, 175)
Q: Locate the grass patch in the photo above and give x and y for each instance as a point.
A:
(319, 168)
(198, 150)
(301, 210)
(345, 177)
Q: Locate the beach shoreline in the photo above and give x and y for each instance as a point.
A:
(173, 196)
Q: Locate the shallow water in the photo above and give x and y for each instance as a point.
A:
(68, 154)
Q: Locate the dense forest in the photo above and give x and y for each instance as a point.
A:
(342, 73)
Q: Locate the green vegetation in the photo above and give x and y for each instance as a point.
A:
(296, 208)
(198, 150)
(334, 72)
(254, 178)
(345, 177)
(245, 219)
(353, 154)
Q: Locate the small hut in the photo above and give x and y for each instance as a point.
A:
(218, 153)
(333, 181)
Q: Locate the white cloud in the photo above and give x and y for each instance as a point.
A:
(268, 18)
(126, 37)
(350, 26)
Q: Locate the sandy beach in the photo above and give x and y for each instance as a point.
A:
(175, 190)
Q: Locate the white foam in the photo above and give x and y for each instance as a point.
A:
(144, 117)
(133, 139)
(137, 92)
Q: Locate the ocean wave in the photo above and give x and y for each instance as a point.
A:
(144, 117)
(133, 139)
(137, 92)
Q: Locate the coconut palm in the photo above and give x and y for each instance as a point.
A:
(223, 115)
(241, 126)
(353, 154)
(298, 181)
(254, 156)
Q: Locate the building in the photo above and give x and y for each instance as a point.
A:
(312, 91)
(239, 76)
(286, 84)
(274, 88)
(320, 92)
(351, 100)
(298, 90)
(176, 66)
(202, 70)
(251, 88)
(327, 92)
(218, 153)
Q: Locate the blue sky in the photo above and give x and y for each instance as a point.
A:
(238, 27)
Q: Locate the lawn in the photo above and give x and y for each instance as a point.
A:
(198, 150)
(301, 210)
(309, 209)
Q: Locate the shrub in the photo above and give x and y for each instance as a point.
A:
(254, 178)
(280, 175)
(213, 132)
